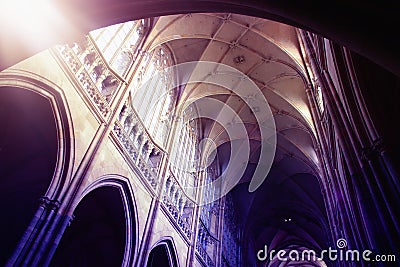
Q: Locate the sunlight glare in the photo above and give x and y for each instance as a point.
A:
(33, 20)
(27, 13)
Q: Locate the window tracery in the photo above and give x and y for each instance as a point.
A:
(119, 43)
(153, 92)
(231, 235)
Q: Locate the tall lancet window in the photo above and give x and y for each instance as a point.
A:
(119, 43)
(210, 197)
(153, 93)
(208, 235)
(231, 235)
(184, 153)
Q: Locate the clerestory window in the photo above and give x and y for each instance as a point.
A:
(119, 43)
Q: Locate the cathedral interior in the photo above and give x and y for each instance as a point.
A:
(204, 133)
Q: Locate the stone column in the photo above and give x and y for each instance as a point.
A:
(196, 217)
(345, 132)
(33, 247)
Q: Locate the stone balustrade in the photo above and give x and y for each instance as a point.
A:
(203, 255)
(206, 245)
(178, 204)
(144, 154)
(91, 71)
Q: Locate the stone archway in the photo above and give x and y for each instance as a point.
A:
(28, 154)
(97, 235)
(162, 255)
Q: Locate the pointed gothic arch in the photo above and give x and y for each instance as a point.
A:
(163, 254)
(107, 205)
(36, 154)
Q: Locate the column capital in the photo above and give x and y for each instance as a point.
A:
(367, 153)
(379, 145)
(308, 88)
(44, 201)
(49, 204)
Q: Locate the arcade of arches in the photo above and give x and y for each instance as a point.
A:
(112, 156)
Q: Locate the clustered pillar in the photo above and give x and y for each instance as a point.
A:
(366, 188)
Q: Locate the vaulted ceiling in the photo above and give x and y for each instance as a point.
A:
(243, 42)
(269, 54)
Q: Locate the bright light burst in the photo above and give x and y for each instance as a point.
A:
(36, 22)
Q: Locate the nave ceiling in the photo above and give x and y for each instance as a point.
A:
(269, 53)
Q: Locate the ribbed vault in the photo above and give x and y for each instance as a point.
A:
(269, 54)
